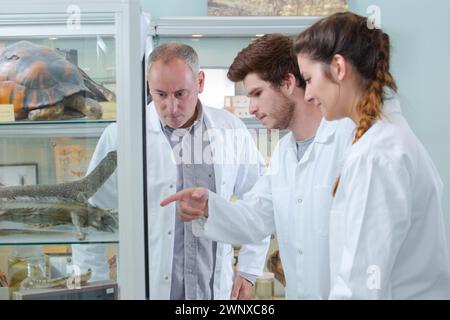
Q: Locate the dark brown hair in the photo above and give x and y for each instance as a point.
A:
(365, 47)
(271, 57)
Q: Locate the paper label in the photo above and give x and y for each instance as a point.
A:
(7, 113)
(109, 110)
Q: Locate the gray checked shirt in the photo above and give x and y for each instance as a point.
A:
(193, 258)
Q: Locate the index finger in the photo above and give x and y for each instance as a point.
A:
(175, 197)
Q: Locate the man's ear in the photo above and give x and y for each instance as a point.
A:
(201, 81)
(339, 67)
(290, 83)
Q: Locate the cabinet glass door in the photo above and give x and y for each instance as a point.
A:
(59, 218)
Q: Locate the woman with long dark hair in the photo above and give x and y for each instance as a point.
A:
(387, 233)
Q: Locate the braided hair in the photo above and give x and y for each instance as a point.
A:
(367, 49)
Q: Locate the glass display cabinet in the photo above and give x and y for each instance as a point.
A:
(217, 41)
(68, 70)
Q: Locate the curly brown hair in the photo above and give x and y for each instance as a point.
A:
(271, 57)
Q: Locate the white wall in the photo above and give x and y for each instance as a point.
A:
(420, 38)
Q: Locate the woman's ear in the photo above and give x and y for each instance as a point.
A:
(339, 67)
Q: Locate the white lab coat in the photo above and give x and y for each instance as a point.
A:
(387, 228)
(94, 256)
(293, 199)
(231, 177)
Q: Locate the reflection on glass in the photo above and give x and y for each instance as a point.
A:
(217, 86)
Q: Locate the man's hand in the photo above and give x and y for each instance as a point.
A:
(242, 289)
(192, 203)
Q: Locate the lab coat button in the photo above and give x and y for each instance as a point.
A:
(300, 252)
(166, 278)
(299, 200)
(171, 186)
(169, 233)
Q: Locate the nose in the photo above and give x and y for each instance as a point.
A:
(172, 104)
(252, 107)
(308, 96)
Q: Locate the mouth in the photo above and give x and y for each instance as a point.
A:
(261, 118)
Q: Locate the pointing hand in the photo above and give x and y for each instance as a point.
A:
(192, 203)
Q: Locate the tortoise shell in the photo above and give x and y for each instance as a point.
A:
(34, 76)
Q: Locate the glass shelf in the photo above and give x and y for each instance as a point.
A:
(46, 129)
(54, 242)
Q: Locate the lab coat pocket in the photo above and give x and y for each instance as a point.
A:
(322, 205)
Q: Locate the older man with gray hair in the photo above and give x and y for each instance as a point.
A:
(187, 146)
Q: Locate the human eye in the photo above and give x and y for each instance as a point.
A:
(255, 94)
(181, 94)
(159, 94)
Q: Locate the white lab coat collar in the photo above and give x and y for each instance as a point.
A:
(324, 134)
(391, 104)
(154, 124)
(212, 122)
(326, 131)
